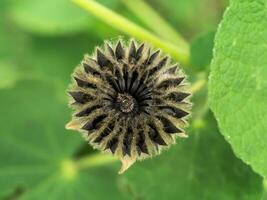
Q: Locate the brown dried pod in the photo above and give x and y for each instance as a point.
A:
(129, 100)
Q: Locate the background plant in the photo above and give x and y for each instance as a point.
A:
(42, 41)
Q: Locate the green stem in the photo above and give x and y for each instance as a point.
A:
(264, 196)
(95, 160)
(265, 184)
(155, 22)
(122, 24)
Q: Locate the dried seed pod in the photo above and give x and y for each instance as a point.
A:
(129, 100)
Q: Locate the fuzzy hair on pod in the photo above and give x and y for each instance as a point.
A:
(129, 100)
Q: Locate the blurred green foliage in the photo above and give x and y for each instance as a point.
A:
(40, 44)
(192, 16)
(201, 50)
(52, 17)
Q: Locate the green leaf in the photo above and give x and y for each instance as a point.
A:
(3, 5)
(8, 75)
(200, 167)
(52, 17)
(55, 58)
(238, 84)
(37, 153)
(14, 43)
(201, 50)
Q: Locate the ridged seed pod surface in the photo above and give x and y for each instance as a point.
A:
(129, 100)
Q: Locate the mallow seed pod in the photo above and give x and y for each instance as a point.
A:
(129, 100)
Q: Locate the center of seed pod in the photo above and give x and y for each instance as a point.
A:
(126, 102)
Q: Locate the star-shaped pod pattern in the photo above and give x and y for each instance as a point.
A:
(129, 100)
